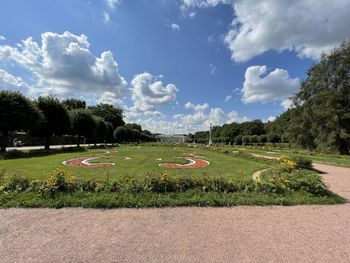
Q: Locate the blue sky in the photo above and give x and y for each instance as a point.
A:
(173, 66)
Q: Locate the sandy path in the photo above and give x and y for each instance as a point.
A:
(239, 234)
(338, 178)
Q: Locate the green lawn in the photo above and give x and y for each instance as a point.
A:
(143, 160)
(334, 159)
(137, 180)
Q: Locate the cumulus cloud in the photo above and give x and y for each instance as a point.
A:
(148, 91)
(202, 116)
(196, 107)
(10, 82)
(174, 27)
(2, 38)
(112, 4)
(307, 27)
(261, 87)
(63, 65)
(106, 17)
(228, 98)
(287, 104)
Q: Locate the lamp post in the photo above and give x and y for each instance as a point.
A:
(210, 139)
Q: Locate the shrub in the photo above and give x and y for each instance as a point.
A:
(55, 183)
(302, 162)
(14, 180)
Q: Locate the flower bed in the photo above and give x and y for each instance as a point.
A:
(194, 162)
(85, 162)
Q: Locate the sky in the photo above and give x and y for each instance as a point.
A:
(174, 66)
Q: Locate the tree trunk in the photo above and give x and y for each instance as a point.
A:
(78, 143)
(47, 143)
(3, 142)
(343, 147)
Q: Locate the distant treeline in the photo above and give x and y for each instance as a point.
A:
(48, 117)
(319, 117)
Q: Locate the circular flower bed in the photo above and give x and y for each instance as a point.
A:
(194, 162)
(85, 162)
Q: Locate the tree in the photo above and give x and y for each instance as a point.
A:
(83, 123)
(262, 138)
(120, 134)
(133, 126)
(135, 135)
(238, 140)
(273, 138)
(324, 103)
(109, 113)
(56, 119)
(110, 132)
(17, 113)
(255, 127)
(253, 139)
(245, 139)
(101, 130)
(73, 104)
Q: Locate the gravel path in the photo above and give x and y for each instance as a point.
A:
(238, 234)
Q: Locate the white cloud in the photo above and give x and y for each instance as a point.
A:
(271, 119)
(106, 17)
(148, 91)
(203, 116)
(228, 98)
(174, 27)
(112, 4)
(192, 14)
(2, 38)
(10, 82)
(275, 86)
(196, 107)
(307, 27)
(287, 104)
(63, 65)
(233, 116)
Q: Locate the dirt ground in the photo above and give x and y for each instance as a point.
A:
(238, 234)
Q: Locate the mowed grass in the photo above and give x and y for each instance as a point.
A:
(135, 161)
(333, 159)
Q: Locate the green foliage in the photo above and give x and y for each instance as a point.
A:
(278, 180)
(324, 104)
(246, 139)
(108, 113)
(14, 180)
(56, 119)
(121, 134)
(73, 104)
(83, 123)
(238, 140)
(17, 113)
(262, 138)
(273, 138)
(301, 161)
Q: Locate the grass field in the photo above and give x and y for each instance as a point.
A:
(143, 160)
(334, 159)
(137, 180)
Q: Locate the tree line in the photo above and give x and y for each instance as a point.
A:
(318, 119)
(48, 116)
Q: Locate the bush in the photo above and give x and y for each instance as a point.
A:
(55, 183)
(14, 180)
(302, 162)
